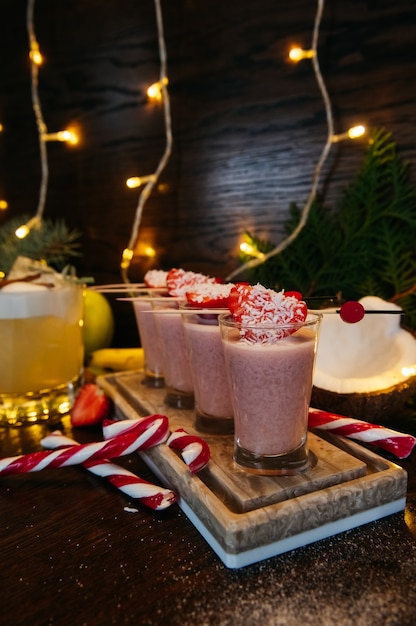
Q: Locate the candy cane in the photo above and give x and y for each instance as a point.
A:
(154, 497)
(194, 450)
(397, 443)
(114, 428)
(151, 431)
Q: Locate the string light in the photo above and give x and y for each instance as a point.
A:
(34, 53)
(149, 252)
(155, 91)
(22, 231)
(68, 136)
(3, 205)
(297, 54)
(138, 181)
(126, 258)
(251, 250)
(352, 133)
(128, 253)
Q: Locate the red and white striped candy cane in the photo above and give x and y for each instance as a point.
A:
(151, 432)
(397, 443)
(194, 450)
(113, 428)
(151, 495)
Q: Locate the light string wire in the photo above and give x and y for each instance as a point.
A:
(148, 188)
(321, 161)
(42, 130)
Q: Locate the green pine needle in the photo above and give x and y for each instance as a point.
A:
(52, 242)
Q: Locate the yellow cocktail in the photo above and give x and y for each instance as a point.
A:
(41, 350)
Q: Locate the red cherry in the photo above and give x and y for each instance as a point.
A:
(351, 312)
(293, 294)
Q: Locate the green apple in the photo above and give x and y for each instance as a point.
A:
(98, 328)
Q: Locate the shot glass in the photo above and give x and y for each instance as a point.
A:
(213, 405)
(270, 371)
(153, 357)
(176, 364)
(42, 351)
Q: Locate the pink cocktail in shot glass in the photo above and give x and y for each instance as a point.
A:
(149, 339)
(213, 404)
(176, 365)
(270, 368)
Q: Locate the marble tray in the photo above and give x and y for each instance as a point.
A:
(247, 518)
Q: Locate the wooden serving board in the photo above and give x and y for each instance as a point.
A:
(246, 518)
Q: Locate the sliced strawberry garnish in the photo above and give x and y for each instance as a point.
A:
(91, 406)
(258, 306)
(209, 296)
(155, 278)
(180, 281)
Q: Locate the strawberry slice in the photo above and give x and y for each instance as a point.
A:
(91, 406)
(179, 281)
(209, 296)
(258, 306)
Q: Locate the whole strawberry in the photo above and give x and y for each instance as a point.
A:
(91, 406)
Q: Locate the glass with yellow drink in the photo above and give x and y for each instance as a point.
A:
(41, 350)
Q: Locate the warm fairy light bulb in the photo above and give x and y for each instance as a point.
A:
(67, 136)
(145, 250)
(150, 252)
(352, 133)
(22, 231)
(251, 250)
(35, 55)
(3, 205)
(297, 54)
(138, 181)
(126, 257)
(356, 131)
(154, 91)
(1, 127)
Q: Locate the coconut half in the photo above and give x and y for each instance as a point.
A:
(365, 370)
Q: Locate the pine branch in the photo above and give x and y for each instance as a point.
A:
(52, 242)
(363, 247)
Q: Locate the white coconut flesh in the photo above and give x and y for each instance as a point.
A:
(370, 355)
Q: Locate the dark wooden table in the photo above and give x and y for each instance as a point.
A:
(73, 551)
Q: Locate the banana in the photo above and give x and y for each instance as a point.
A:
(117, 359)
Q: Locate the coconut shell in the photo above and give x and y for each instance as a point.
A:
(377, 407)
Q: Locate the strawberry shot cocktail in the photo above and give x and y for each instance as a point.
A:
(213, 405)
(168, 321)
(176, 365)
(153, 358)
(155, 284)
(270, 343)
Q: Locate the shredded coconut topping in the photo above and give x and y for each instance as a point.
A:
(201, 291)
(155, 278)
(258, 306)
(180, 281)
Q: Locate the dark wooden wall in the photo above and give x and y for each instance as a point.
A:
(248, 125)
